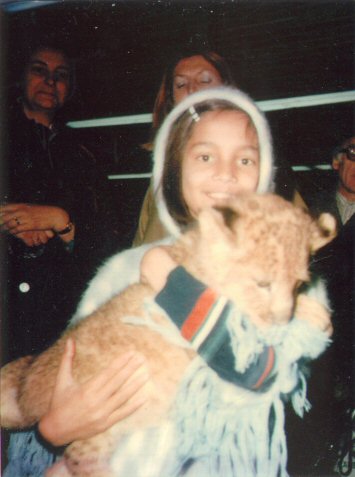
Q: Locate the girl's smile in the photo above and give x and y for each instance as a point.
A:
(220, 161)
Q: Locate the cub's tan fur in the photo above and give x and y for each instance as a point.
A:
(255, 252)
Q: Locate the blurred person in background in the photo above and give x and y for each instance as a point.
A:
(329, 424)
(341, 201)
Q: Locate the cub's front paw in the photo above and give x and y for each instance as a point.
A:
(315, 313)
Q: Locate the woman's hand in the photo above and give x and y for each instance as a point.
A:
(18, 218)
(35, 237)
(79, 411)
(155, 267)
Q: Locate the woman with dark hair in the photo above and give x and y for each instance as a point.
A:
(37, 213)
(53, 216)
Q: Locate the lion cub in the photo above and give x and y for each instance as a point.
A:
(255, 252)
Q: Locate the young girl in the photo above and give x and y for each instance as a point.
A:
(213, 146)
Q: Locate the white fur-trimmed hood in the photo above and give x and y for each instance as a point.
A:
(242, 101)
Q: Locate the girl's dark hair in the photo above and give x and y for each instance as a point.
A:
(180, 134)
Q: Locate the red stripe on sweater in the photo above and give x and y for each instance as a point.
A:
(198, 314)
(268, 368)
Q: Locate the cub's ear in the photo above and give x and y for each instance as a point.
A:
(217, 222)
(323, 231)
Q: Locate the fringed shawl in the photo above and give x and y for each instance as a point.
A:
(218, 429)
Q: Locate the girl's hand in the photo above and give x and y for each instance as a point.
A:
(35, 237)
(155, 268)
(79, 411)
(18, 218)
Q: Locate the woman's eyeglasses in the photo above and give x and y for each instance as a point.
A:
(61, 74)
(349, 151)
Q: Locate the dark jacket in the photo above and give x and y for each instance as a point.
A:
(329, 424)
(43, 284)
(325, 201)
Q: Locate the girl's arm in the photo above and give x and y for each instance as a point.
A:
(79, 411)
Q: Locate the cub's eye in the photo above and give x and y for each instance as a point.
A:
(299, 284)
(264, 284)
(300, 287)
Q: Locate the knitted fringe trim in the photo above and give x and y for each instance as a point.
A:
(216, 428)
(235, 432)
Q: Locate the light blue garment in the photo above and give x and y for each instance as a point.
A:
(27, 457)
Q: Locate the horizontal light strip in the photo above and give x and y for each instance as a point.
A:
(268, 105)
(319, 167)
(147, 175)
(114, 121)
(307, 101)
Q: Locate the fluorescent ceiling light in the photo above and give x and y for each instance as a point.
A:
(148, 175)
(114, 121)
(268, 105)
(144, 175)
(319, 167)
(307, 101)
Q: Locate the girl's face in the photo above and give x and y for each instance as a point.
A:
(192, 74)
(220, 160)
